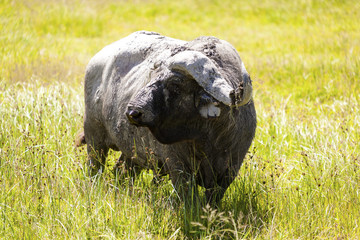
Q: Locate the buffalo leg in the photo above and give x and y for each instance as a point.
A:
(185, 185)
(96, 148)
(216, 193)
(124, 166)
(96, 158)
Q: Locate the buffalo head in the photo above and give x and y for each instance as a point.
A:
(187, 89)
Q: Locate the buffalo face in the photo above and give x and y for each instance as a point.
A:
(173, 108)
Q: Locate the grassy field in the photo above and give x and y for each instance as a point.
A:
(300, 180)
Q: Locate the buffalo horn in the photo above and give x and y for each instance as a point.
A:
(204, 71)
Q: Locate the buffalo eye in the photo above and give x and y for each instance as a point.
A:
(174, 86)
(174, 89)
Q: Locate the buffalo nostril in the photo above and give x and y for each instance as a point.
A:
(134, 114)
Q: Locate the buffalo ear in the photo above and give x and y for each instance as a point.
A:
(207, 106)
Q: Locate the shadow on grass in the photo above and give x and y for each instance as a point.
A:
(243, 213)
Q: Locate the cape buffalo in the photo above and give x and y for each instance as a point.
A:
(182, 108)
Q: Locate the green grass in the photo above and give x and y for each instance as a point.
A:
(300, 180)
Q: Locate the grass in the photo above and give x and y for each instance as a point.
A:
(300, 180)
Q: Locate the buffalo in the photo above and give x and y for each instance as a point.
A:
(182, 108)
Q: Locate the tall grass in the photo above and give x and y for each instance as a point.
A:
(301, 178)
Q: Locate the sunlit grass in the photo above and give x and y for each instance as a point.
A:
(300, 179)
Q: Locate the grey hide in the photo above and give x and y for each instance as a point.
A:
(176, 107)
